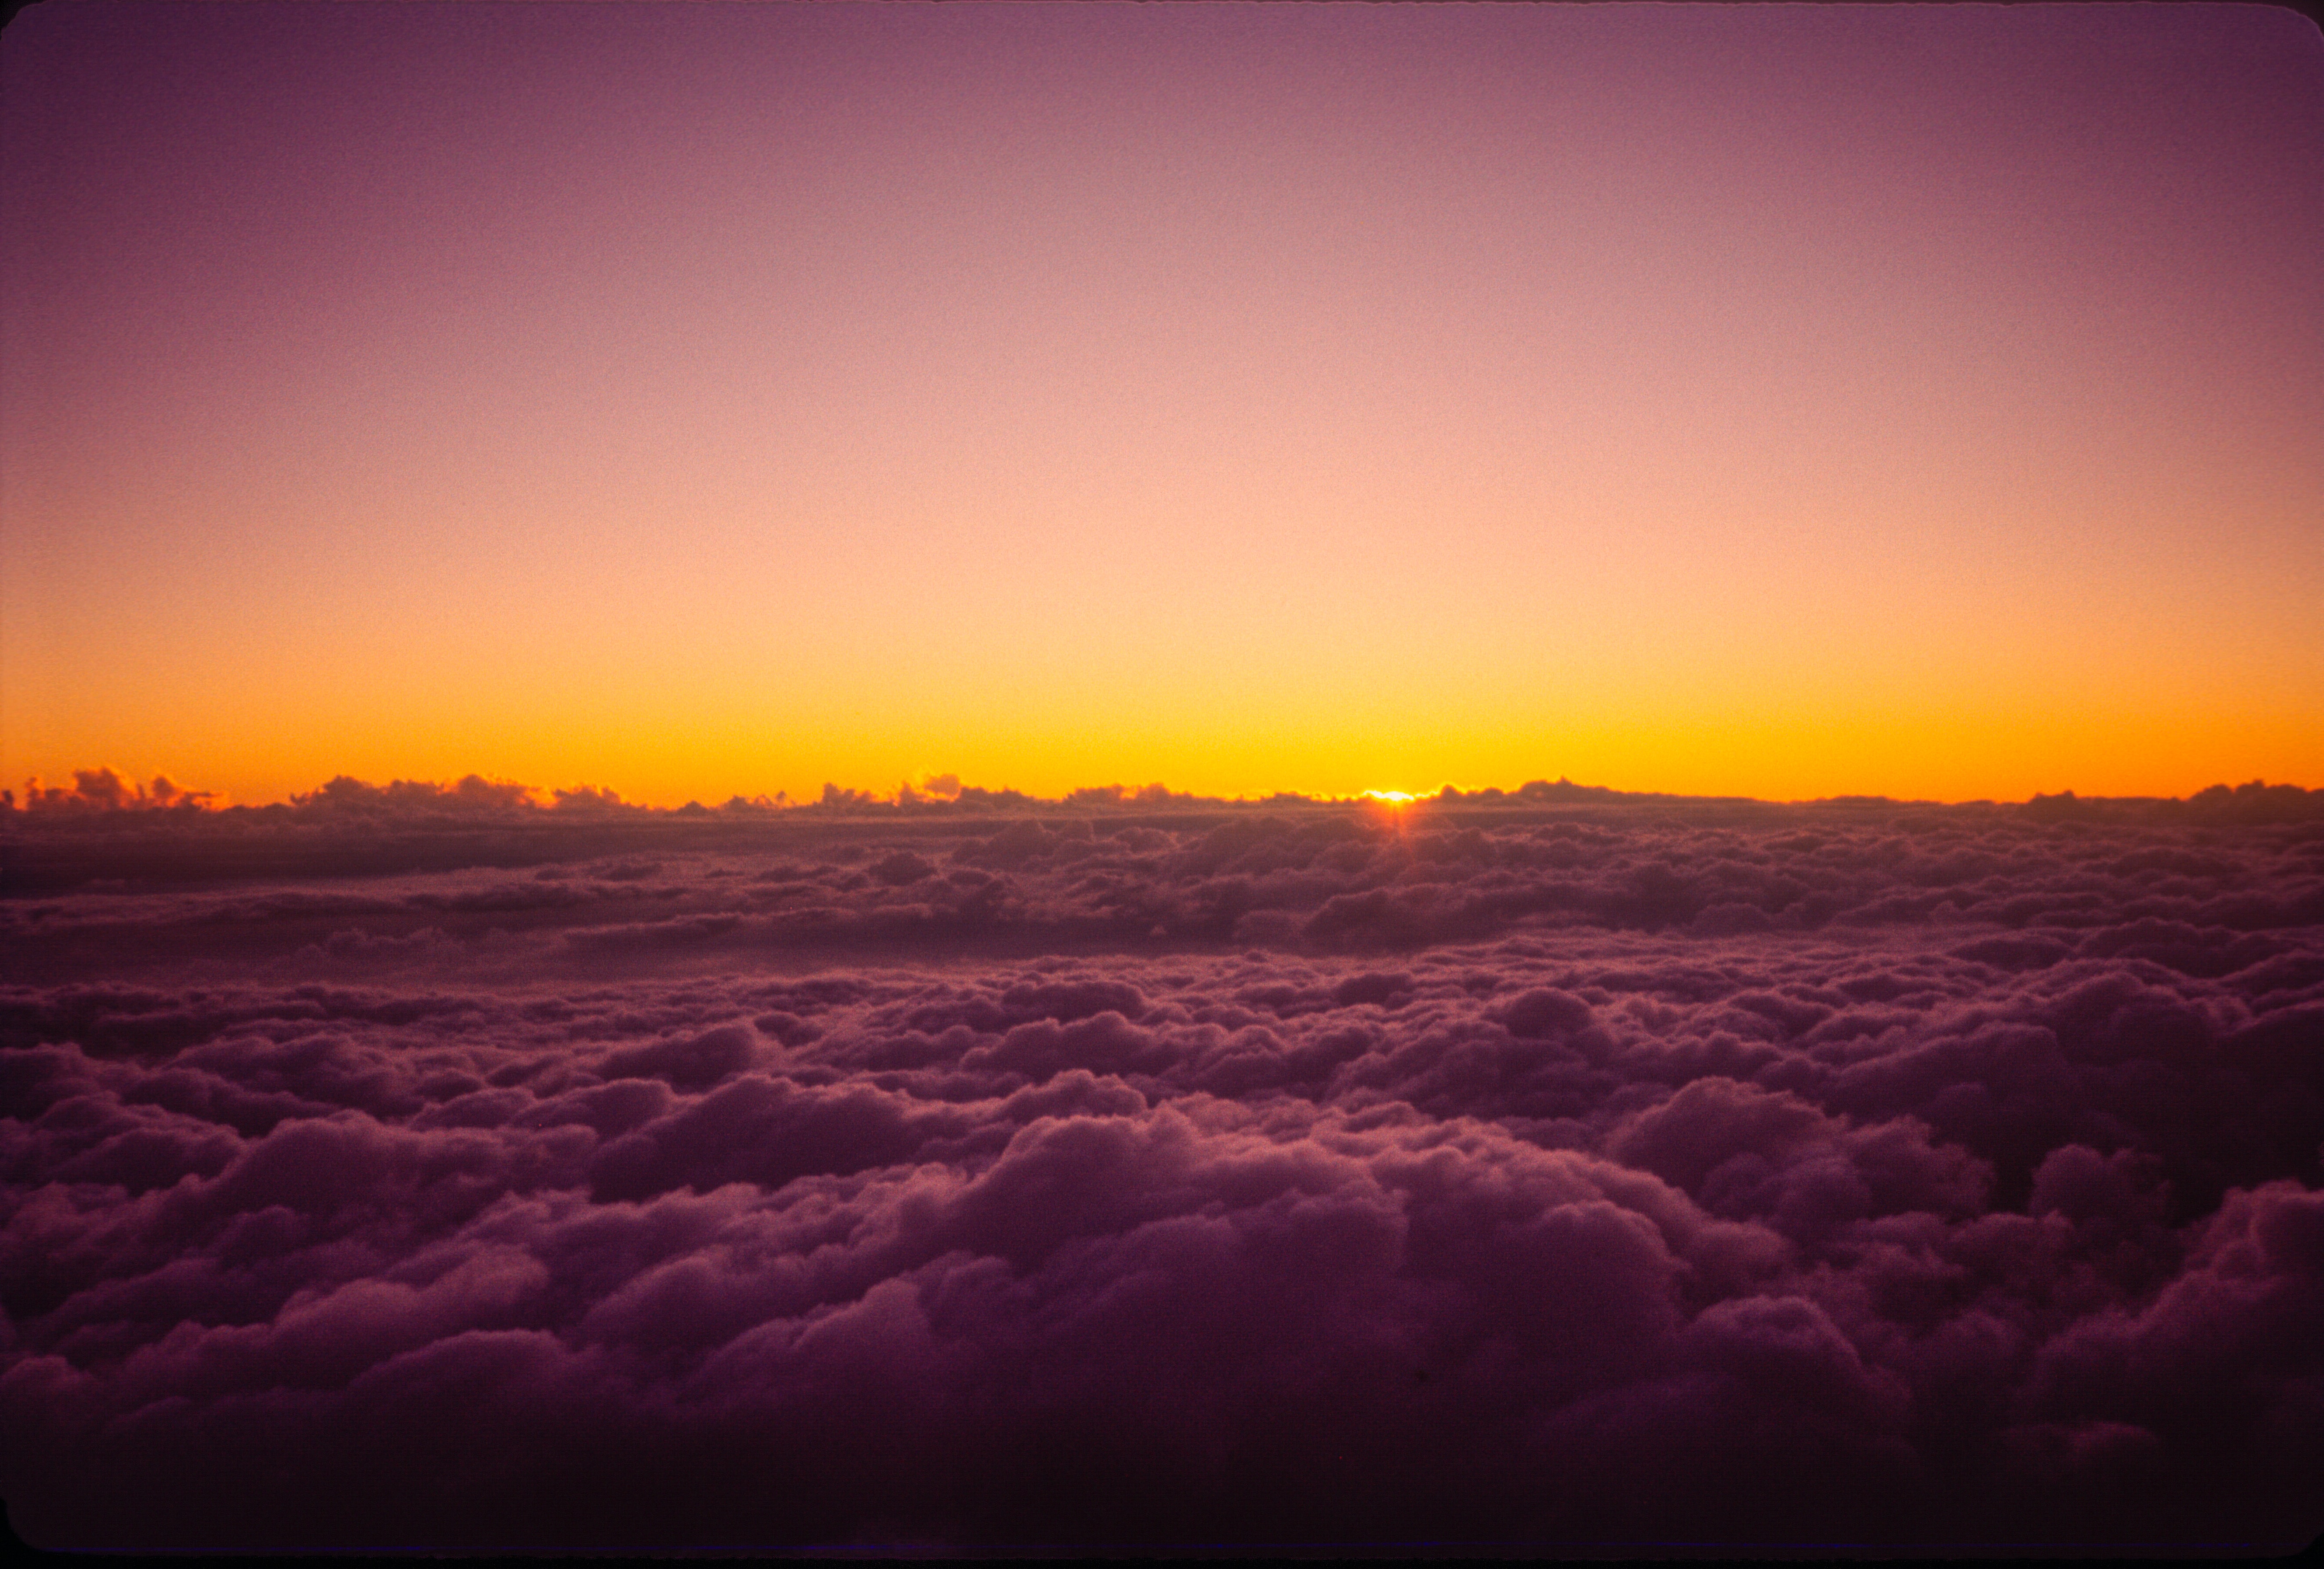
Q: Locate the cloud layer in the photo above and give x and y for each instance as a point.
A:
(1528, 1171)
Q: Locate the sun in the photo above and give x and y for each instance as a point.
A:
(1398, 800)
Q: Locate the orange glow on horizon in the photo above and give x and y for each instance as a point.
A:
(1934, 757)
(1278, 399)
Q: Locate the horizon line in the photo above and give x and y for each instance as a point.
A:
(105, 791)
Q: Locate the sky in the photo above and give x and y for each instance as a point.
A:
(694, 400)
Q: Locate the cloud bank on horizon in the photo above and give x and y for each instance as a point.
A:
(1567, 1169)
(475, 797)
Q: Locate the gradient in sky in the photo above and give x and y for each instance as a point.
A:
(702, 398)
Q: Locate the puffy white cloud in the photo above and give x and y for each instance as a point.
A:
(1156, 1174)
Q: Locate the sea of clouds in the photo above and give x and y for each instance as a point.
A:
(439, 1169)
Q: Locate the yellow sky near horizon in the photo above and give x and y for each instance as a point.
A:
(696, 402)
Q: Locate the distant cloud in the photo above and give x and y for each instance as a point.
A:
(100, 789)
(104, 789)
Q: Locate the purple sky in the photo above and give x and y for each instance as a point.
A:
(693, 399)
